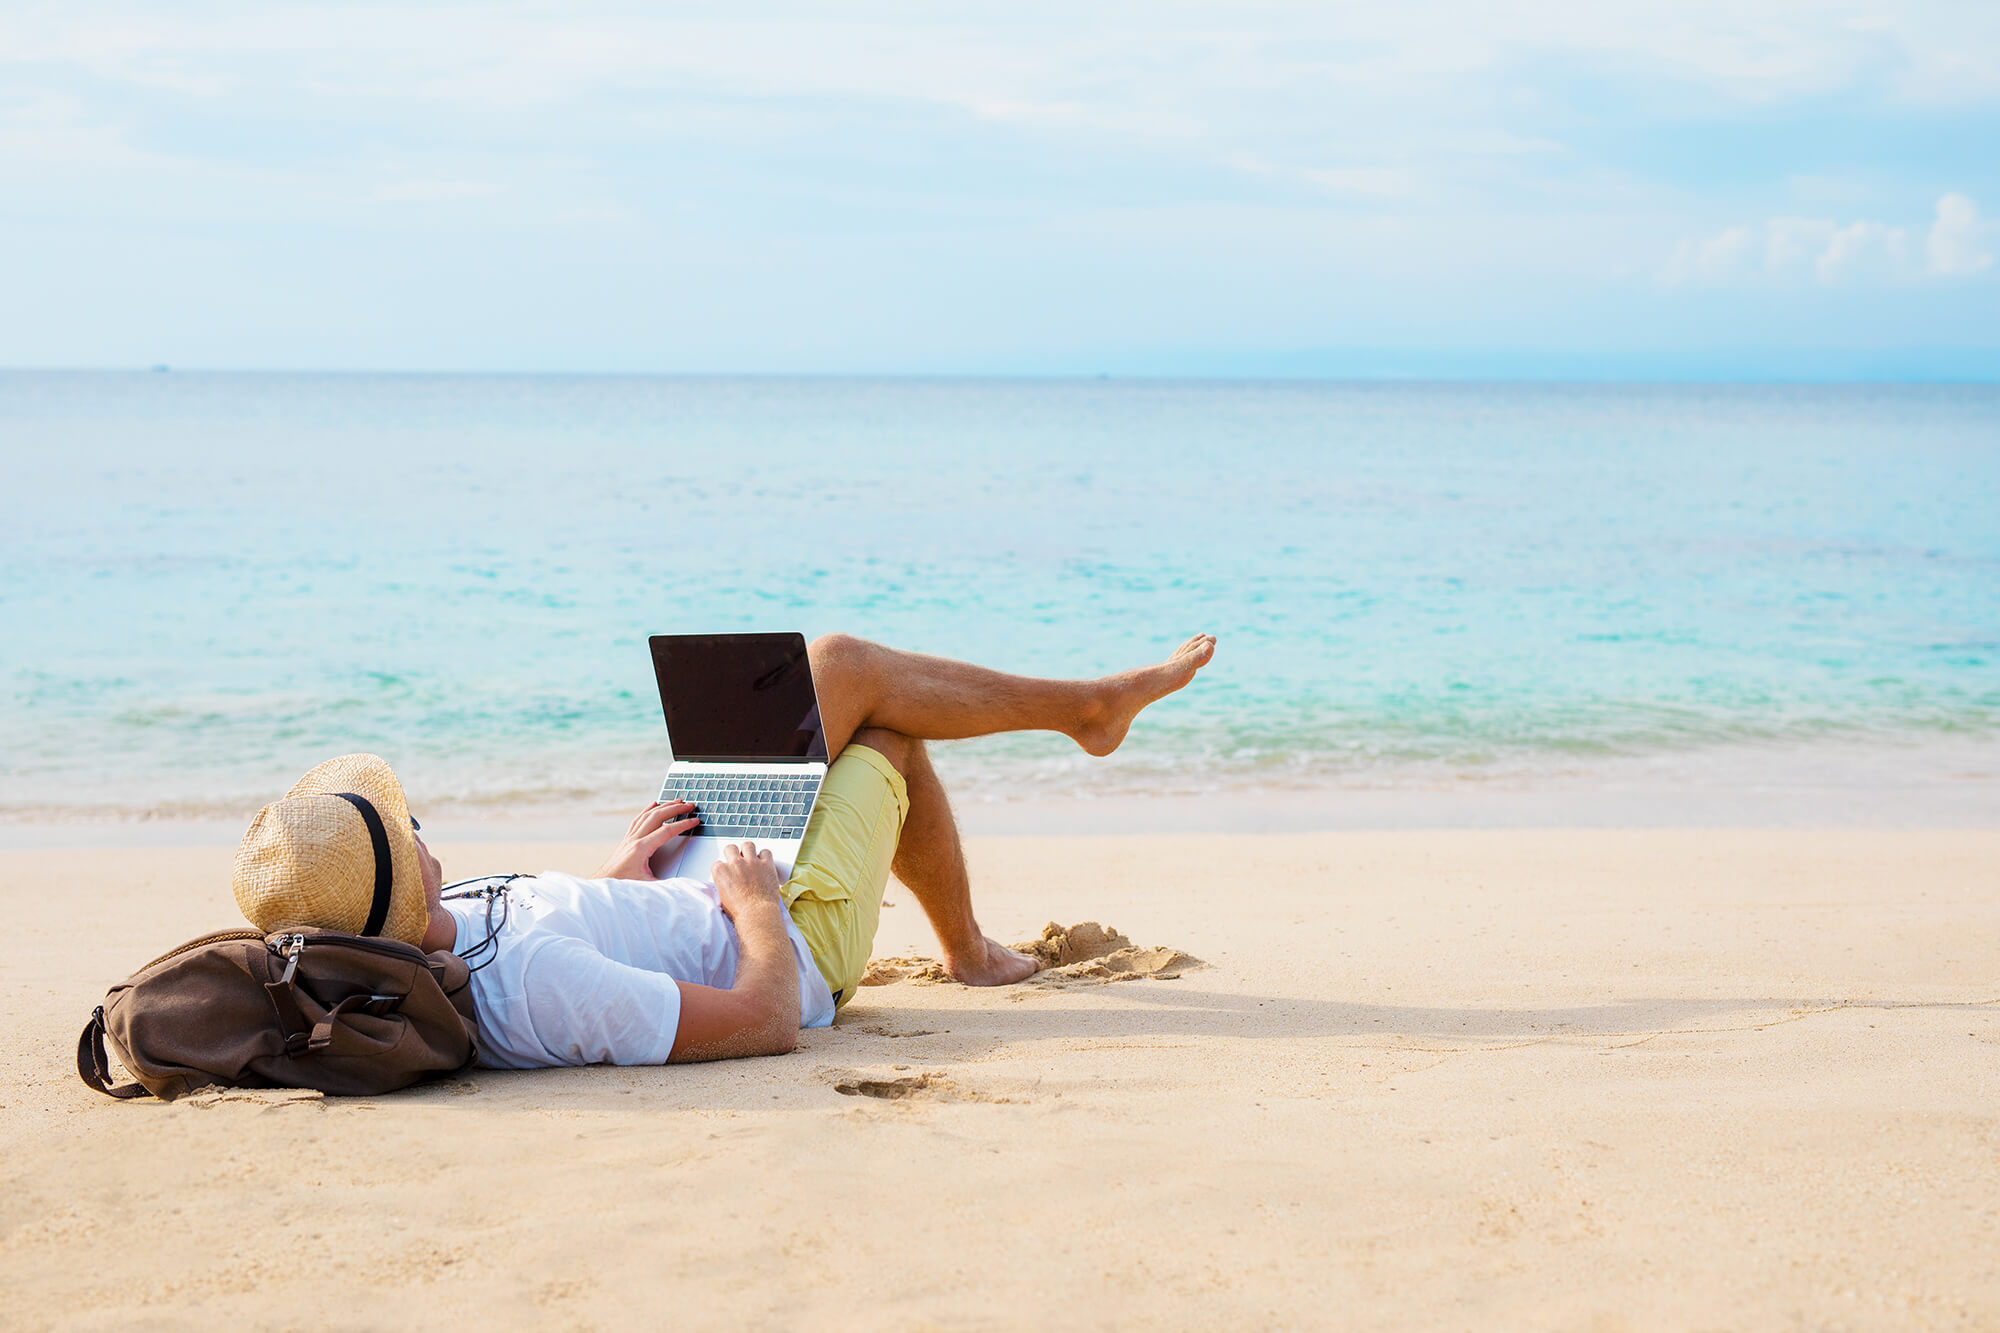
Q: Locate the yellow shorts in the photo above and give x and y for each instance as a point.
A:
(835, 892)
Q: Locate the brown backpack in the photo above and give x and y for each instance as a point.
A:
(346, 1014)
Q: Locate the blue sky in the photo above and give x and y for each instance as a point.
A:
(1685, 189)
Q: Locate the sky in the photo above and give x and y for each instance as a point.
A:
(1732, 189)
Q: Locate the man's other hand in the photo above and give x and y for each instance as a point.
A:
(759, 1013)
(655, 827)
(746, 880)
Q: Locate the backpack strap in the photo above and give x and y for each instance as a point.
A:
(322, 1033)
(292, 1024)
(93, 1068)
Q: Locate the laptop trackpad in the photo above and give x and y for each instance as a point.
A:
(695, 858)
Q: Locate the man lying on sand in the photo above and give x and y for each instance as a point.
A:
(624, 968)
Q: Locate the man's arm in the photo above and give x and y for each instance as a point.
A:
(759, 1014)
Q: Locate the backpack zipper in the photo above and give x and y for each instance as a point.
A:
(294, 946)
(291, 946)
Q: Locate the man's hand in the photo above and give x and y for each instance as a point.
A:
(759, 1013)
(746, 880)
(655, 827)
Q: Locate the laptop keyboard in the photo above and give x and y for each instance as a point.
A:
(748, 805)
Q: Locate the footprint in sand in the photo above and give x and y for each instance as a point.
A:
(267, 1099)
(929, 1087)
(1084, 954)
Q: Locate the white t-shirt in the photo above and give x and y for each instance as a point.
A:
(583, 970)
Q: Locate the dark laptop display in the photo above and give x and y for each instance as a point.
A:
(737, 697)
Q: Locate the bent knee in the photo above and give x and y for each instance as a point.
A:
(898, 749)
(835, 652)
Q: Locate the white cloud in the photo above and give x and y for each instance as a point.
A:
(1427, 103)
(1720, 256)
(1760, 50)
(1462, 146)
(1834, 252)
(1129, 66)
(1863, 247)
(1955, 244)
(1790, 243)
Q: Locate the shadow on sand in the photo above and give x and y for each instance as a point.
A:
(883, 1031)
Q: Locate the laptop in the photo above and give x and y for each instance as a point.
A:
(748, 749)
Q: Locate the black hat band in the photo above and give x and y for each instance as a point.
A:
(384, 869)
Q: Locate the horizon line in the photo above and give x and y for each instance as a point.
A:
(1606, 380)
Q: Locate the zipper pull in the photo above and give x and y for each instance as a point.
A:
(295, 947)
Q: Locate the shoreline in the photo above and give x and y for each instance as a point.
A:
(1886, 784)
(1967, 803)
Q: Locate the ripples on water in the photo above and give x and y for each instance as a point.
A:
(212, 581)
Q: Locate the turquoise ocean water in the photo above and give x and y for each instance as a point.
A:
(209, 582)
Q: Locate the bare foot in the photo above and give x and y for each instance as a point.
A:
(996, 965)
(1109, 716)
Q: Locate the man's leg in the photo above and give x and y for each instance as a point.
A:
(894, 701)
(862, 684)
(930, 860)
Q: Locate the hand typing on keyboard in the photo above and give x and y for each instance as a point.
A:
(653, 829)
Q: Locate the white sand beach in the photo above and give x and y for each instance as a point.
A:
(1571, 1080)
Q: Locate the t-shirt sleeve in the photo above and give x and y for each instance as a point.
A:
(586, 1009)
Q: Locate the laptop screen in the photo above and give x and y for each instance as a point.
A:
(738, 697)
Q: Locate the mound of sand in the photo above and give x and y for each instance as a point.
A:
(1083, 954)
(1088, 952)
(1065, 946)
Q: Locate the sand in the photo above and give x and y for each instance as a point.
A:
(1472, 1080)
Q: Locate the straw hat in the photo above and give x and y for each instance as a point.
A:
(337, 853)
